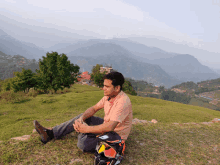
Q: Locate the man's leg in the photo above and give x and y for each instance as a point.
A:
(65, 128)
(57, 132)
(87, 142)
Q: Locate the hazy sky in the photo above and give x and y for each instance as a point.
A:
(192, 22)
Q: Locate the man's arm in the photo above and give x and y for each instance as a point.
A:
(89, 112)
(105, 127)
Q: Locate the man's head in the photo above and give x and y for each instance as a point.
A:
(113, 83)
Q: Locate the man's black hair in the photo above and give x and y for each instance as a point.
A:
(117, 79)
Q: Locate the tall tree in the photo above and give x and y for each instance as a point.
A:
(56, 72)
(95, 70)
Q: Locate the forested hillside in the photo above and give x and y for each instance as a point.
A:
(10, 64)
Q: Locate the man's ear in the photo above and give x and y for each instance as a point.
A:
(118, 88)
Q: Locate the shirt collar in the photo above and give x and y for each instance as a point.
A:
(120, 93)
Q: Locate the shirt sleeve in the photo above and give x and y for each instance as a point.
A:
(100, 104)
(120, 111)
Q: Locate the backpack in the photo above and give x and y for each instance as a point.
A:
(109, 149)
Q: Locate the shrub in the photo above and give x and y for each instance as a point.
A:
(128, 88)
(52, 91)
(32, 93)
(40, 91)
(12, 97)
(66, 90)
(59, 91)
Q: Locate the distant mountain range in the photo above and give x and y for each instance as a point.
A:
(133, 59)
(12, 46)
(183, 67)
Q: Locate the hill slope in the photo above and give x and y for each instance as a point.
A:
(161, 143)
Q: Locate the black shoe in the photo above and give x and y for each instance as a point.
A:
(43, 132)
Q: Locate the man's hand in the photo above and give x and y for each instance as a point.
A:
(79, 127)
(80, 119)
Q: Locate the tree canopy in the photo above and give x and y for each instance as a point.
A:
(56, 72)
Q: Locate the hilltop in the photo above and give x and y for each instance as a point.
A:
(164, 142)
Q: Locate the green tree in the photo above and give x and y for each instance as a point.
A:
(56, 72)
(127, 88)
(23, 80)
(6, 86)
(95, 70)
(161, 88)
(98, 79)
(168, 95)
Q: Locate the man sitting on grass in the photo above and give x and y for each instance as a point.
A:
(118, 117)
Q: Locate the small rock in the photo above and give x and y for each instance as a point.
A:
(22, 138)
(75, 160)
(154, 121)
(143, 121)
(176, 123)
(142, 144)
(206, 123)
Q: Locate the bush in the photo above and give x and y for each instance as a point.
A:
(52, 91)
(127, 88)
(32, 93)
(153, 95)
(59, 91)
(66, 90)
(12, 97)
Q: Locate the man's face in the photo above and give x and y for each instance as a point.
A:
(109, 89)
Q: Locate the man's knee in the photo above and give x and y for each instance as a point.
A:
(85, 144)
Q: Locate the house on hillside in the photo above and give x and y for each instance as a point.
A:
(84, 77)
(108, 69)
(177, 90)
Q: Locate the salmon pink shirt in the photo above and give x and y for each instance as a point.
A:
(119, 110)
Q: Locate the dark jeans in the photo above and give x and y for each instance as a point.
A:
(86, 141)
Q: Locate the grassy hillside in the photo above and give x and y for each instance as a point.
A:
(159, 143)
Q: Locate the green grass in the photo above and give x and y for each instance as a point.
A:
(161, 143)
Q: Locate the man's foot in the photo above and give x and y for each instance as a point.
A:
(42, 131)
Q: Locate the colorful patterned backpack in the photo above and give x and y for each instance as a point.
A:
(109, 149)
